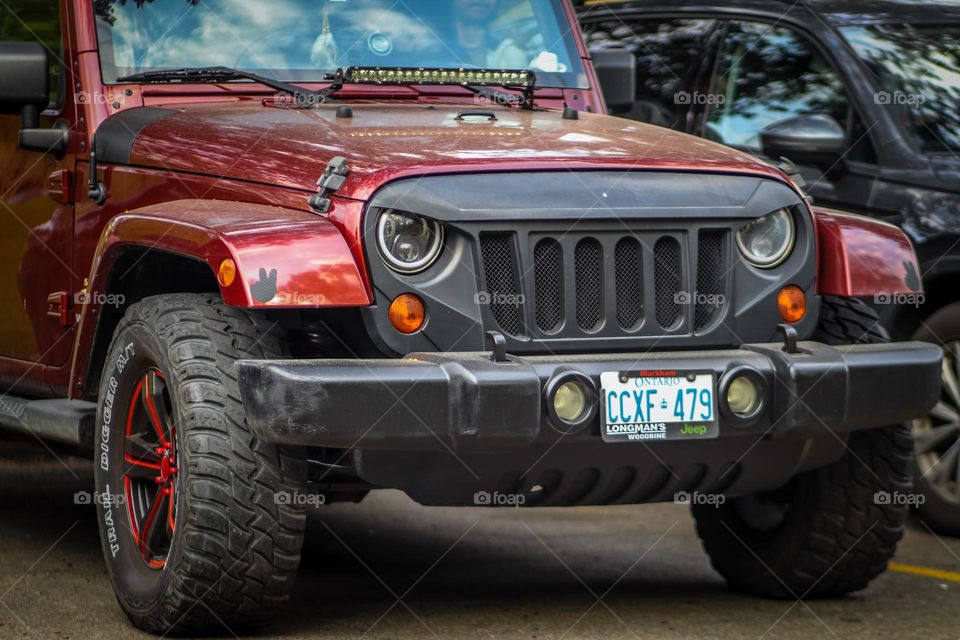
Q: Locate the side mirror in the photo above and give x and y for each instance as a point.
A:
(25, 91)
(816, 140)
(617, 72)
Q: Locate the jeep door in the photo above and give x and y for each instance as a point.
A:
(36, 219)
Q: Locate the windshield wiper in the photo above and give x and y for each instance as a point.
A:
(303, 98)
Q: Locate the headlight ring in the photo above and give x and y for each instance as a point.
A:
(768, 241)
(408, 243)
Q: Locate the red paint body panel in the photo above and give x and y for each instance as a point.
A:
(307, 251)
(314, 266)
(860, 256)
(245, 140)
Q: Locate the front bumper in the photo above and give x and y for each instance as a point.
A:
(469, 404)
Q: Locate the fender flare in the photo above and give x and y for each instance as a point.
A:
(860, 256)
(284, 259)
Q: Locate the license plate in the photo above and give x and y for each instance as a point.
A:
(658, 405)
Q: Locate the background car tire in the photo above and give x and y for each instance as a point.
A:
(940, 509)
(226, 554)
(832, 530)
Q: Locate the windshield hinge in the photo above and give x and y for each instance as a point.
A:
(332, 179)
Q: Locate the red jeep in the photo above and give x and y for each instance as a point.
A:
(265, 255)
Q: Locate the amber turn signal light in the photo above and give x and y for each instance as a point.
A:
(792, 303)
(407, 313)
(227, 272)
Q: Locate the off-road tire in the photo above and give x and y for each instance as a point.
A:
(841, 523)
(234, 547)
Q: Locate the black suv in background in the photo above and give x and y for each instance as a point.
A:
(863, 96)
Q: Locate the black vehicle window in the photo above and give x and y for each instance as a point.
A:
(768, 74)
(916, 68)
(670, 58)
(35, 21)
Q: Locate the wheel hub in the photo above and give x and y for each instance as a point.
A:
(167, 467)
(150, 469)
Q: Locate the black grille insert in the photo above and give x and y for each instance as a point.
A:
(588, 262)
(710, 274)
(502, 292)
(628, 259)
(667, 281)
(548, 279)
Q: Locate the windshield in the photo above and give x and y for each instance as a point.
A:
(302, 40)
(917, 69)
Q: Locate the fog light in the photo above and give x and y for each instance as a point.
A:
(570, 401)
(407, 313)
(792, 302)
(743, 396)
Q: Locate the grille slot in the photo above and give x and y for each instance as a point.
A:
(548, 281)
(503, 293)
(667, 279)
(628, 261)
(709, 278)
(588, 262)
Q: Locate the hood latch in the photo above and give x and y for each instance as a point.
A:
(332, 179)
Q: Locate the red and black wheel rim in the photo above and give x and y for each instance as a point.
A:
(150, 470)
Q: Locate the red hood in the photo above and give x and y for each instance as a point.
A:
(290, 148)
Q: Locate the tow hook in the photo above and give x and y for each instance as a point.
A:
(498, 346)
(789, 338)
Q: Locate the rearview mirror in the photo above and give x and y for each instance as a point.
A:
(816, 140)
(617, 72)
(25, 91)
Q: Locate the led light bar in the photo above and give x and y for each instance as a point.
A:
(421, 75)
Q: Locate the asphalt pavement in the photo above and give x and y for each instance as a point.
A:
(389, 568)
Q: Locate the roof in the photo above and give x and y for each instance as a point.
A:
(835, 12)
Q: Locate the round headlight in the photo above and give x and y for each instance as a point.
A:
(408, 243)
(767, 242)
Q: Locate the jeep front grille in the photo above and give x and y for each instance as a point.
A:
(561, 286)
